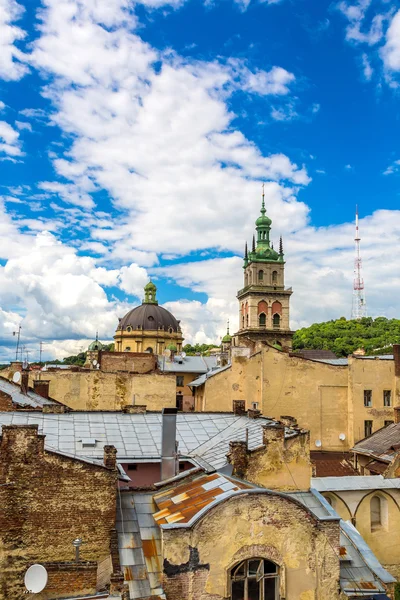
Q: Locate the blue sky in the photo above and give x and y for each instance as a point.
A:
(134, 139)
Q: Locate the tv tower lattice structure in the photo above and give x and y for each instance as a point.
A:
(359, 308)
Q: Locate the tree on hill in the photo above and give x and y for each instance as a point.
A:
(198, 349)
(343, 337)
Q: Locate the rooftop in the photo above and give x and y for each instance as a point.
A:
(140, 516)
(360, 482)
(31, 399)
(202, 437)
(331, 464)
(188, 364)
(383, 444)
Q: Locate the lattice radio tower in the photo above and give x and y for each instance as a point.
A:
(359, 308)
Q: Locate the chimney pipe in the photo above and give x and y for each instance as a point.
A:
(168, 444)
(24, 382)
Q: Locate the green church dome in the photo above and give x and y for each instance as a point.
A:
(95, 346)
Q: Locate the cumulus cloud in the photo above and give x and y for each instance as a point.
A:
(391, 50)
(9, 140)
(393, 168)
(11, 67)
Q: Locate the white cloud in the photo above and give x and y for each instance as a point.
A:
(356, 15)
(23, 125)
(9, 140)
(367, 68)
(11, 67)
(390, 52)
(393, 168)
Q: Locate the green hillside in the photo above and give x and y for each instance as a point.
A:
(343, 336)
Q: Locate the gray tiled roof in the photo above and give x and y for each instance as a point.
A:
(189, 364)
(360, 482)
(30, 399)
(335, 362)
(203, 436)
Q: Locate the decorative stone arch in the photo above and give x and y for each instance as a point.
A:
(276, 308)
(262, 307)
(339, 505)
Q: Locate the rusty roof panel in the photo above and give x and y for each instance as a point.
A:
(189, 498)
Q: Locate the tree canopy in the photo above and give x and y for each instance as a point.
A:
(343, 337)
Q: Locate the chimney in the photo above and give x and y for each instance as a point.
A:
(168, 444)
(397, 414)
(110, 457)
(396, 356)
(288, 421)
(273, 433)
(24, 382)
(238, 457)
(41, 387)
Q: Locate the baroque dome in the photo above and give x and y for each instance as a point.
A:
(149, 317)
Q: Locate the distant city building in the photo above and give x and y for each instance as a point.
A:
(149, 327)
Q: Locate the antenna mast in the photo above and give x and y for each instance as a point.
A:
(359, 308)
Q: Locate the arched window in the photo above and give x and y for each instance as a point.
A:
(150, 350)
(128, 349)
(247, 320)
(276, 321)
(255, 578)
(262, 319)
(243, 322)
(379, 512)
(260, 275)
(274, 276)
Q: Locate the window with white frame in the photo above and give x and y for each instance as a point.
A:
(255, 579)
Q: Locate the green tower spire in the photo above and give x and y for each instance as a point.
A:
(150, 291)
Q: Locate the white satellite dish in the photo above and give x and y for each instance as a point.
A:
(318, 443)
(342, 436)
(94, 362)
(36, 579)
(183, 354)
(16, 377)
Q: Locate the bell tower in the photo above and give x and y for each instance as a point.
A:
(264, 300)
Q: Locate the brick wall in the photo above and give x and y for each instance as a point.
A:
(51, 500)
(65, 578)
(6, 403)
(133, 362)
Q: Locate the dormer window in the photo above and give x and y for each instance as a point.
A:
(129, 328)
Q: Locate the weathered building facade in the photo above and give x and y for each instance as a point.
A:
(48, 499)
(340, 401)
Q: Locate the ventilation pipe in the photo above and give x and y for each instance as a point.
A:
(169, 445)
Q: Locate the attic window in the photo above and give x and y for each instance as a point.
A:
(88, 442)
(129, 328)
(150, 318)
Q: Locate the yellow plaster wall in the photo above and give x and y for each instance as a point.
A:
(384, 540)
(376, 375)
(327, 399)
(95, 390)
(260, 525)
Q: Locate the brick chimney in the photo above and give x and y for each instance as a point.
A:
(288, 421)
(110, 457)
(22, 440)
(41, 387)
(24, 382)
(239, 458)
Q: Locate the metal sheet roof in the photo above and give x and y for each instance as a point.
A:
(360, 482)
(189, 364)
(336, 362)
(30, 399)
(202, 379)
(202, 436)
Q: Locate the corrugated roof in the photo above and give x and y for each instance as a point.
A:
(380, 444)
(362, 482)
(189, 364)
(30, 399)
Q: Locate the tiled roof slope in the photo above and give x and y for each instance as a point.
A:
(381, 444)
(332, 464)
(31, 399)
